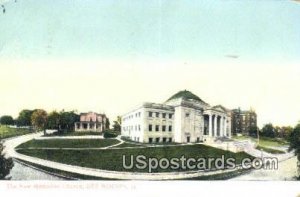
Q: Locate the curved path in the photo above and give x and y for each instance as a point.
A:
(12, 143)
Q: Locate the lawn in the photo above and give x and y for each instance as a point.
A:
(7, 132)
(110, 159)
(72, 133)
(69, 143)
(270, 150)
(265, 141)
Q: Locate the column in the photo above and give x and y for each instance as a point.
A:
(215, 125)
(221, 127)
(210, 125)
(225, 125)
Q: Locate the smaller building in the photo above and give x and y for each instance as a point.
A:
(243, 121)
(92, 121)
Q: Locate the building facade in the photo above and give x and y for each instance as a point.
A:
(243, 121)
(92, 121)
(183, 118)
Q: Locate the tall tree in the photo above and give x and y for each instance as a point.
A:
(294, 140)
(117, 124)
(24, 118)
(39, 120)
(6, 120)
(68, 119)
(53, 120)
(268, 131)
(6, 164)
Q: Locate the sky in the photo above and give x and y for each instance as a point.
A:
(110, 56)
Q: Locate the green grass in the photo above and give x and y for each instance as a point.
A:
(7, 132)
(264, 141)
(110, 159)
(69, 143)
(72, 133)
(276, 142)
(270, 150)
(125, 144)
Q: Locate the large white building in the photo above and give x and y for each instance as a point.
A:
(183, 118)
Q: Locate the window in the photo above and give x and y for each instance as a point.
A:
(164, 140)
(188, 138)
(150, 127)
(150, 114)
(170, 139)
(198, 139)
(150, 140)
(164, 128)
(156, 127)
(139, 114)
(157, 140)
(157, 115)
(170, 116)
(187, 115)
(139, 127)
(170, 128)
(164, 115)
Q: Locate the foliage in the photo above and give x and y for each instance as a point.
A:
(24, 118)
(110, 134)
(67, 120)
(107, 123)
(268, 131)
(253, 131)
(117, 124)
(39, 119)
(53, 120)
(6, 164)
(294, 140)
(6, 120)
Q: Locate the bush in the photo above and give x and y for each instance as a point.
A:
(110, 134)
(6, 164)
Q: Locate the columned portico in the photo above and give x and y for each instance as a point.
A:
(217, 125)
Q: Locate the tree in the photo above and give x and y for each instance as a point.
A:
(24, 118)
(6, 120)
(253, 131)
(6, 164)
(117, 124)
(39, 120)
(107, 123)
(268, 131)
(294, 140)
(67, 120)
(54, 120)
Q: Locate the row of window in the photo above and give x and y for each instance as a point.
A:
(131, 128)
(137, 115)
(158, 127)
(157, 140)
(158, 115)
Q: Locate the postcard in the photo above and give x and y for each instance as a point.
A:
(120, 95)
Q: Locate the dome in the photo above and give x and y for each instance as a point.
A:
(185, 95)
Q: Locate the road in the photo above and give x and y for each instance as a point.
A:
(23, 172)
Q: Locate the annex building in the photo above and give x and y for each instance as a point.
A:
(183, 118)
(92, 121)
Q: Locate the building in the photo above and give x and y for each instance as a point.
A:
(92, 122)
(183, 118)
(243, 121)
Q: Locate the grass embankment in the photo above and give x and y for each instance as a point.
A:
(7, 132)
(270, 150)
(68, 143)
(110, 159)
(73, 133)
